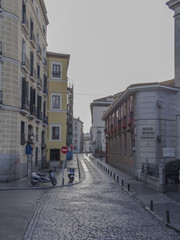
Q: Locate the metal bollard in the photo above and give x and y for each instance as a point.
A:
(122, 182)
(167, 216)
(117, 178)
(128, 187)
(114, 176)
(151, 205)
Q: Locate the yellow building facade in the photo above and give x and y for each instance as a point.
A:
(57, 106)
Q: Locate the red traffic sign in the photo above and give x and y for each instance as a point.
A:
(64, 150)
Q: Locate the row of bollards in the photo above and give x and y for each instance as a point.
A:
(109, 172)
(167, 212)
(116, 178)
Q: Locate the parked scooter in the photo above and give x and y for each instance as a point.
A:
(37, 178)
(71, 174)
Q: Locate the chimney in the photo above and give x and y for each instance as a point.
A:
(175, 6)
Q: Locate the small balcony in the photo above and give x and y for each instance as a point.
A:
(25, 23)
(130, 118)
(33, 110)
(44, 62)
(39, 51)
(25, 104)
(32, 39)
(25, 63)
(39, 114)
(45, 120)
(45, 91)
(33, 74)
(39, 83)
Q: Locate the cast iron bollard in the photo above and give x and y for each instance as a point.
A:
(167, 216)
(151, 205)
(117, 178)
(122, 182)
(114, 176)
(128, 187)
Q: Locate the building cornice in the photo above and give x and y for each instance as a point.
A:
(132, 89)
(172, 4)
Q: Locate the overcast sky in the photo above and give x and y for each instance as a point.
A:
(112, 44)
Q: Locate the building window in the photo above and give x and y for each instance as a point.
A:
(36, 159)
(55, 132)
(115, 144)
(125, 144)
(56, 70)
(23, 133)
(37, 11)
(56, 101)
(120, 144)
(54, 154)
(132, 141)
(37, 130)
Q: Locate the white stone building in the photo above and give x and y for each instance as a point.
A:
(87, 146)
(77, 135)
(143, 124)
(141, 127)
(98, 108)
(23, 87)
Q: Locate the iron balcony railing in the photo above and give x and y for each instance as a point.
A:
(25, 21)
(32, 37)
(39, 114)
(45, 120)
(33, 73)
(45, 90)
(38, 50)
(25, 103)
(44, 61)
(39, 82)
(33, 110)
(25, 61)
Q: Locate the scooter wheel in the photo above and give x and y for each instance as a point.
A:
(33, 183)
(54, 182)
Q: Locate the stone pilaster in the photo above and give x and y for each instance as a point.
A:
(175, 6)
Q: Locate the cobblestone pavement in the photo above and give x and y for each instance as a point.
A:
(97, 208)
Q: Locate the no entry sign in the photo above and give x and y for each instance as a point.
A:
(64, 150)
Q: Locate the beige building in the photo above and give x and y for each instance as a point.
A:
(57, 105)
(23, 87)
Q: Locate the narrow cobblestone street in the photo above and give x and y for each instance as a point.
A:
(97, 208)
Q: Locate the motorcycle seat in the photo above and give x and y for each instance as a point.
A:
(41, 175)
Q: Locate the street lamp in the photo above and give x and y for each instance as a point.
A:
(31, 138)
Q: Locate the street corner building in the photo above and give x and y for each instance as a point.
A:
(23, 87)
